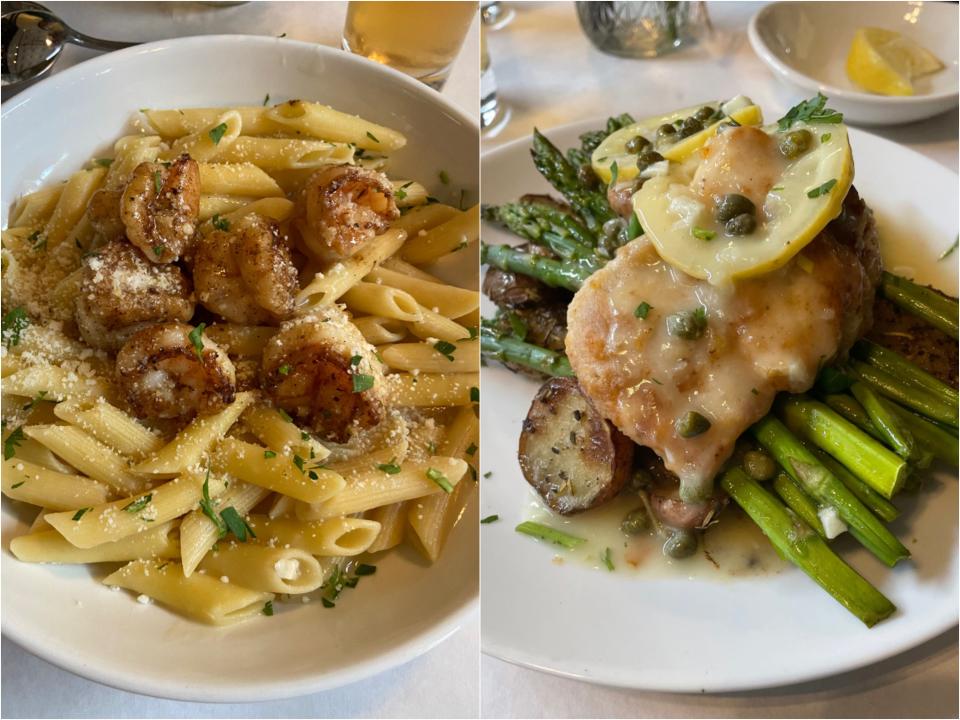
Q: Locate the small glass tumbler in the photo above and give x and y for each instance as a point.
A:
(642, 29)
(421, 39)
(492, 113)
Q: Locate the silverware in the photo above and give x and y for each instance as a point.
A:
(33, 38)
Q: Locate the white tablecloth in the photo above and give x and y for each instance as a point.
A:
(422, 688)
(548, 75)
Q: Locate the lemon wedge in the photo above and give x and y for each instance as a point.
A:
(885, 62)
(750, 115)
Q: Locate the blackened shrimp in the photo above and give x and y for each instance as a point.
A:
(345, 206)
(172, 371)
(319, 369)
(160, 208)
(120, 291)
(246, 272)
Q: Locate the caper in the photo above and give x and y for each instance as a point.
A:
(636, 144)
(795, 142)
(647, 158)
(587, 176)
(732, 204)
(635, 522)
(704, 113)
(691, 424)
(611, 228)
(690, 126)
(687, 325)
(742, 224)
(666, 132)
(681, 544)
(759, 465)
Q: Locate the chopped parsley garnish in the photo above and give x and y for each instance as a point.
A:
(702, 234)
(206, 505)
(220, 223)
(16, 485)
(37, 241)
(362, 383)
(813, 110)
(327, 603)
(268, 606)
(363, 570)
(14, 323)
(104, 162)
(304, 436)
(446, 349)
(607, 559)
(776, 189)
(80, 513)
(284, 414)
(440, 479)
(355, 360)
(518, 326)
(489, 519)
(754, 391)
(372, 136)
(634, 229)
(12, 442)
(474, 331)
(444, 178)
(269, 454)
(196, 339)
(266, 100)
(39, 397)
(950, 250)
(488, 474)
(463, 197)
(157, 181)
(643, 309)
(472, 449)
(614, 172)
(158, 250)
(822, 189)
(390, 468)
(298, 461)
(281, 36)
(475, 394)
(826, 137)
(236, 524)
(216, 134)
(138, 505)
(284, 369)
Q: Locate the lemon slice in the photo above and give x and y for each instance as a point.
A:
(885, 62)
(750, 115)
(808, 194)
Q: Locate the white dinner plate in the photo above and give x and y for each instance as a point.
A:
(674, 633)
(63, 614)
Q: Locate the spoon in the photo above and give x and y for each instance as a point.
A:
(33, 38)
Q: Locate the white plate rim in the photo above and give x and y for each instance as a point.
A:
(444, 626)
(533, 661)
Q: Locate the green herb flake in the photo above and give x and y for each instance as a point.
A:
(298, 461)
(305, 436)
(474, 332)
(440, 479)
(634, 229)
(196, 339)
(157, 181)
(776, 189)
(446, 349)
(614, 173)
(158, 250)
(355, 360)
(37, 241)
(12, 442)
(518, 326)
(822, 189)
(545, 532)
(206, 505)
(390, 468)
(104, 162)
(363, 570)
(80, 513)
(216, 134)
(220, 223)
(754, 391)
(16, 485)
(361, 382)
(284, 369)
(489, 519)
(266, 101)
(607, 559)
(138, 505)
(475, 394)
(281, 35)
(327, 603)
(703, 234)
(284, 414)
(643, 309)
(12, 324)
(38, 398)
(269, 454)
(268, 606)
(444, 178)
(472, 450)
(372, 136)
(950, 250)
(488, 475)
(236, 524)
(813, 110)
(825, 138)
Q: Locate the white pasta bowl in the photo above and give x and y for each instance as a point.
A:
(63, 613)
(805, 45)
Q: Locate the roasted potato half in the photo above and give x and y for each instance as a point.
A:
(571, 455)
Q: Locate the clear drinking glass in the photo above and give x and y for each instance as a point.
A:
(492, 112)
(642, 29)
(421, 39)
(494, 14)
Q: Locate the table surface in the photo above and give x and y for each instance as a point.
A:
(549, 75)
(34, 688)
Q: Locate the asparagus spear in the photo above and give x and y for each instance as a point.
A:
(936, 309)
(827, 490)
(924, 402)
(590, 204)
(806, 549)
(936, 440)
(506, 348)
(894, 435)
(546, 225)
(568, 274)
(849, 408)
(879, 505)
(590, 141)
(870, 461)
(796, 499)
(897, 365)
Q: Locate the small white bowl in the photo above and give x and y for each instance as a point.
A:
(805, 44)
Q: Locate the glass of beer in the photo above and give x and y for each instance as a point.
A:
(418, 38)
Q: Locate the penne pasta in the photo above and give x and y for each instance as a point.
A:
(426, 357)
(287, 570)
(111, 426)
(459, 231)
(177, 123)
(380, 330)
(212, 205)
(424, 218)
(284, 153)
(56, 384)
(49, 546)
(210, 142)
(393, 524)
(434, 326)
(432, 389)
(86, 454)
(343, 536)
(383, 301)
(71, 205)
(241, 340)
(283, 436)
(321, 121)
(37, 485)
(244, 179)
(448, 300)
(34, 209)
(130, 151)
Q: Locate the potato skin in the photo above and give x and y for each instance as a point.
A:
(571, 455)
